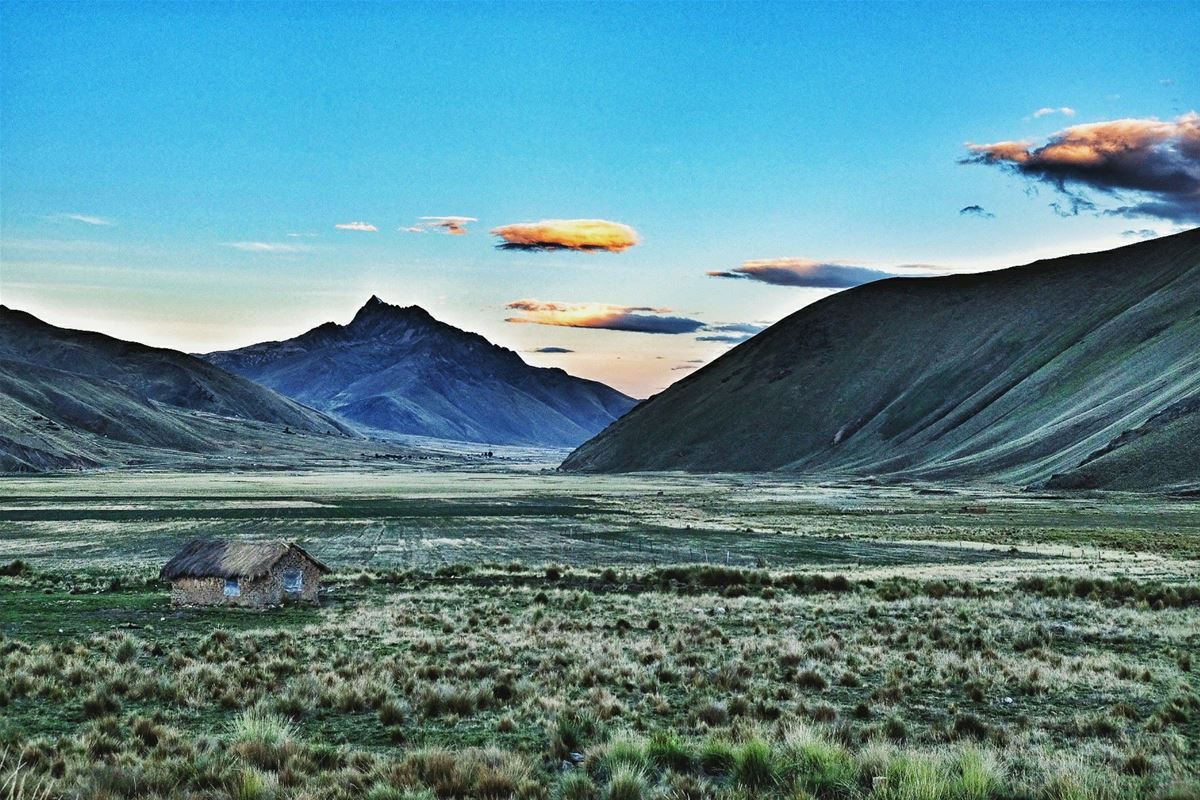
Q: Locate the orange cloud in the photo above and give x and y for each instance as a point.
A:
(638, 319)
(1157, 162)
(567, 234)
(357, 226)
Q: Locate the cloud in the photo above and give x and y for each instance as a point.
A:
(567, 234)
(1141, 233)
(637, 319)
(737, 327)
(87, 219)
(1066, 111)
(302, 235)
(268, 247)
(725, 338)
(456, 226)
(357, 226)
(553, 350)
(730, 333)
(803, 272)
(1149, 166)
(976, 211)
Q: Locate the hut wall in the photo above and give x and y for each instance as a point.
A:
(311, 576)
(198, 591)
(266, 590)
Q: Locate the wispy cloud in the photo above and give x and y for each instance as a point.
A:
(605, 316)
(976, 211)
(1151, 167)
(1140, 233)
(268, 247)
(87, 219)
(730, 333)
(302, 235)
(805, 272)
(356, 226)
(567, 234)
(456, 226)
(1046, 111)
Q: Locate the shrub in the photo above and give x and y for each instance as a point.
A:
(821, 766)
(618, 752)
(754, 765)
(978, 775)
(713, 713)
(811, 679)
(626, 783)
(666, 752)
(969, 726)
(262, 738)
(571, 731)
(717, 758)
(254, 785)
(126, 650)
(575, 785)
(917, 777)
(391, 713)
(100, 702)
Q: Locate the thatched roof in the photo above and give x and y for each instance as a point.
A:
(214, 558)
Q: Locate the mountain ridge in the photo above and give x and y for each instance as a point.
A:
(1014, 375)
(397, 370)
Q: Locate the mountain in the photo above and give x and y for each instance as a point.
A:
(400, 371)
(1083, 371)
(79, 399)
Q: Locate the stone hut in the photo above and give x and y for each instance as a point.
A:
(209, 572)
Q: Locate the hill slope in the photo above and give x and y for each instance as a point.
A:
(74, 399)
(399, 370)
(1086, 367)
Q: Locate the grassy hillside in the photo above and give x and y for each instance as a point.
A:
(73, 399)
(1014, 375)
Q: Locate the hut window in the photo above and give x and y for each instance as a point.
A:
(233, 587)
(293, 581)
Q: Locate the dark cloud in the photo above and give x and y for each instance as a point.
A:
(976, 211)
(604, 316)
(553, 350)
(1149, 166)
(804, 272)
(567, 234)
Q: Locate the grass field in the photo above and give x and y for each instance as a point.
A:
(527, 634)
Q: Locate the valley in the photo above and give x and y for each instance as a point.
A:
(505, 630)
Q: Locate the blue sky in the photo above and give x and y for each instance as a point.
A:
(720, 132)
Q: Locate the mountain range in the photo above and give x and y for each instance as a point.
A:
(1076, 372)
(398, 371)
(79, 399)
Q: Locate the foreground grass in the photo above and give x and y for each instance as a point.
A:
(681, 682)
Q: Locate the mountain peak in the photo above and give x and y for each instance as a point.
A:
(377, 309)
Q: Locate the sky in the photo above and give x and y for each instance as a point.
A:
(624, 191)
